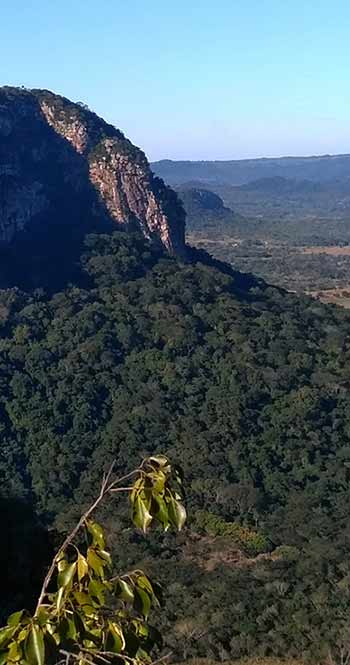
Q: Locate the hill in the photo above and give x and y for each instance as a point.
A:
(206, 212)
(134, 348)
(243, 383)
(65, 172)
(241, 171)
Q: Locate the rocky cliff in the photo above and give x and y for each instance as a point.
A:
(61, 166)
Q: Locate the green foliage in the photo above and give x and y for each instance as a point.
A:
(246, 385)
(251, 542)
(93, 616)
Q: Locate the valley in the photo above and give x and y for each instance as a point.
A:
(293, 233)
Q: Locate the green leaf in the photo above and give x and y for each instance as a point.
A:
(61, 562)
(103, 554)
(85, 602)
(6, 635)
(177, 513)
(67, 629)
(4, 658)
(60, 598)
(142, 602)
(161, 511)
(42, 616)
(34, 646)
(15, 618)
(144, 583)
(141, 517)
(115, 638)
(66, 576)
(97, 590)
(143, 656)
(126, 592)
(82, 567)
(97, 533)
(95, 562)
(15, 652)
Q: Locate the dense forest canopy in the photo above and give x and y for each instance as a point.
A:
(246, 385)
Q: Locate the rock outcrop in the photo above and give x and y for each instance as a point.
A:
(62, 164)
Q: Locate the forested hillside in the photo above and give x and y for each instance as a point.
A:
(245, 385)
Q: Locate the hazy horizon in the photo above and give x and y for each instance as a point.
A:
(247, 159)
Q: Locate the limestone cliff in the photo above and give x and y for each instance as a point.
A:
(62, 164)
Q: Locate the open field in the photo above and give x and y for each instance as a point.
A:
(321, 271)
(339, 296)
(331, 251)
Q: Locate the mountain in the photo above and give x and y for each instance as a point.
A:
(129, 351)
(64, 171)
(238, 172)
(206, 212)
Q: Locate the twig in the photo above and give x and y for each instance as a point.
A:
(106, 488)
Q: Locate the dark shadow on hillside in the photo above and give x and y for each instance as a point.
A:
(47, 255)
(24, 555)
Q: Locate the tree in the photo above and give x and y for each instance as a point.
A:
(91, 616)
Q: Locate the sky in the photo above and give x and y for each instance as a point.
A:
(224, 79)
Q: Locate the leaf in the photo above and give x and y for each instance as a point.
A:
(142, 602)
(144, 583)
(6, 635)
(158, 592)
(141, 517)
(82, 567)
(67, 629)
(42, 616)
(160, 460)
(95, 562)
(97, 591)
(60, 598)
(15, 618)
(115, 638)
(61, 562)
(143, 656)
(97, 534)
(22, 634)
(85, 602)
(15, 652)
(161, 511)
(103, 554)
(34, 646)
(126, 592)
(177, 513)
(66, 576)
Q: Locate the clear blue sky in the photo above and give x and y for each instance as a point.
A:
(193, 79)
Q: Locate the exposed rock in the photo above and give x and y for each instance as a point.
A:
(60, 161)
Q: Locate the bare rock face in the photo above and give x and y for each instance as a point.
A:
(62, 164)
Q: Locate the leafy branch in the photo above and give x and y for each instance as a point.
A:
(92, 617)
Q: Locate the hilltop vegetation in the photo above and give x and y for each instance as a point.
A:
(244, 384)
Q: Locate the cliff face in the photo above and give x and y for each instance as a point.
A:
(62, 164)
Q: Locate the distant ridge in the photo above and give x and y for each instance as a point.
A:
(319, 168)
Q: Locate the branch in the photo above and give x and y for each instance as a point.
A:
(107, 487)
